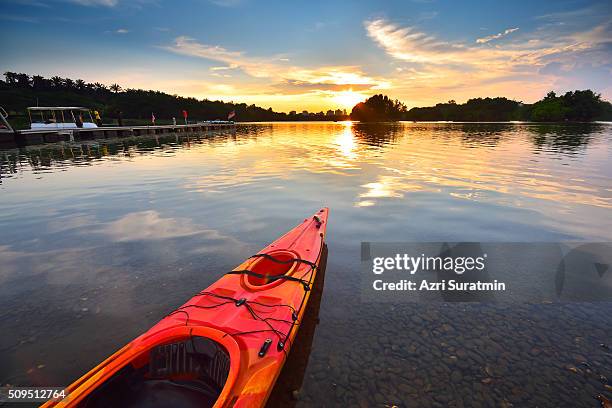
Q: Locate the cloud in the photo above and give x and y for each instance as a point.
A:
(19, 19)
(149, 225)
(138, 4)
(553, 68)
(122, 31)
(408, 44)
(233, 66)
(568, 15)
(293, 86)
(226, 3)
(424, 69)
(427, 15)
(266, 68)
(33, 3)
(488, 38)
(519, 68)
(105, 3)
(188, 46)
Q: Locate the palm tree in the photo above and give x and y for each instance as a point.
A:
(116, 88)
(68, 83)
(80, 84)
(56, 81)
(23, 80)
(99, 87)
(11, 77)
(39, 82)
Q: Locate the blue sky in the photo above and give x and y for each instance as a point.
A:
(316, 55)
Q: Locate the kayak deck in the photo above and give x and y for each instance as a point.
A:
(226, 345)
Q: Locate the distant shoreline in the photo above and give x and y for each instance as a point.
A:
(22, 122)
(136, 107)
(512, 122)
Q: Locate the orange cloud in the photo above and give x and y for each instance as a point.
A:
(320, 83)
(264, 68)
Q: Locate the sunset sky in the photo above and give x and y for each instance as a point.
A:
(316, 55)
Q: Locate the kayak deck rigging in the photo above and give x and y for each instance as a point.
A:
(282, 337)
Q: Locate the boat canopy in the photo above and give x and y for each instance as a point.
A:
(47, 108)
(63, 117)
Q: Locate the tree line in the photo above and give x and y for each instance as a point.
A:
(19, 91)
(576, 106)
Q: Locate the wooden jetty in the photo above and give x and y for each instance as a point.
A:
(41, 136)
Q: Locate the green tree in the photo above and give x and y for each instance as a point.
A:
(378, 108)
(549, 110)
(550, 96)
(576, 106)
(582, 106)
(474, 110)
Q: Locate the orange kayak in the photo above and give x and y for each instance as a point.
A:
(226, 346)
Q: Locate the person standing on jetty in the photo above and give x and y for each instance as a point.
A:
(97, 118)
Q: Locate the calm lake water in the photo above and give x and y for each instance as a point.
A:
(99, 241)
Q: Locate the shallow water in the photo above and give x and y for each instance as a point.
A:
(99, 241)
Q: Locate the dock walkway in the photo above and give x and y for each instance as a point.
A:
(36, 136)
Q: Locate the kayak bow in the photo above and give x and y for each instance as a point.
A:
(223, 348)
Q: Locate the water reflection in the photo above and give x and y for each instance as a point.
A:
(495, 163)
(146, 225)
(346, 142)
(289, 383)
(378, 134)
(100, 239)
(568, 139)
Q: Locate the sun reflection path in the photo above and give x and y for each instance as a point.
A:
(345, 141)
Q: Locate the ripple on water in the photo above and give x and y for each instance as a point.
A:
(105, 237)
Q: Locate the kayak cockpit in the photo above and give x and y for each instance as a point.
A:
(188, 373)
(274, 264)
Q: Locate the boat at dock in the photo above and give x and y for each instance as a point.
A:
(60, 117)
(63, 124)
(5, 126)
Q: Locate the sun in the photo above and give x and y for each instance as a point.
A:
(348, 99)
